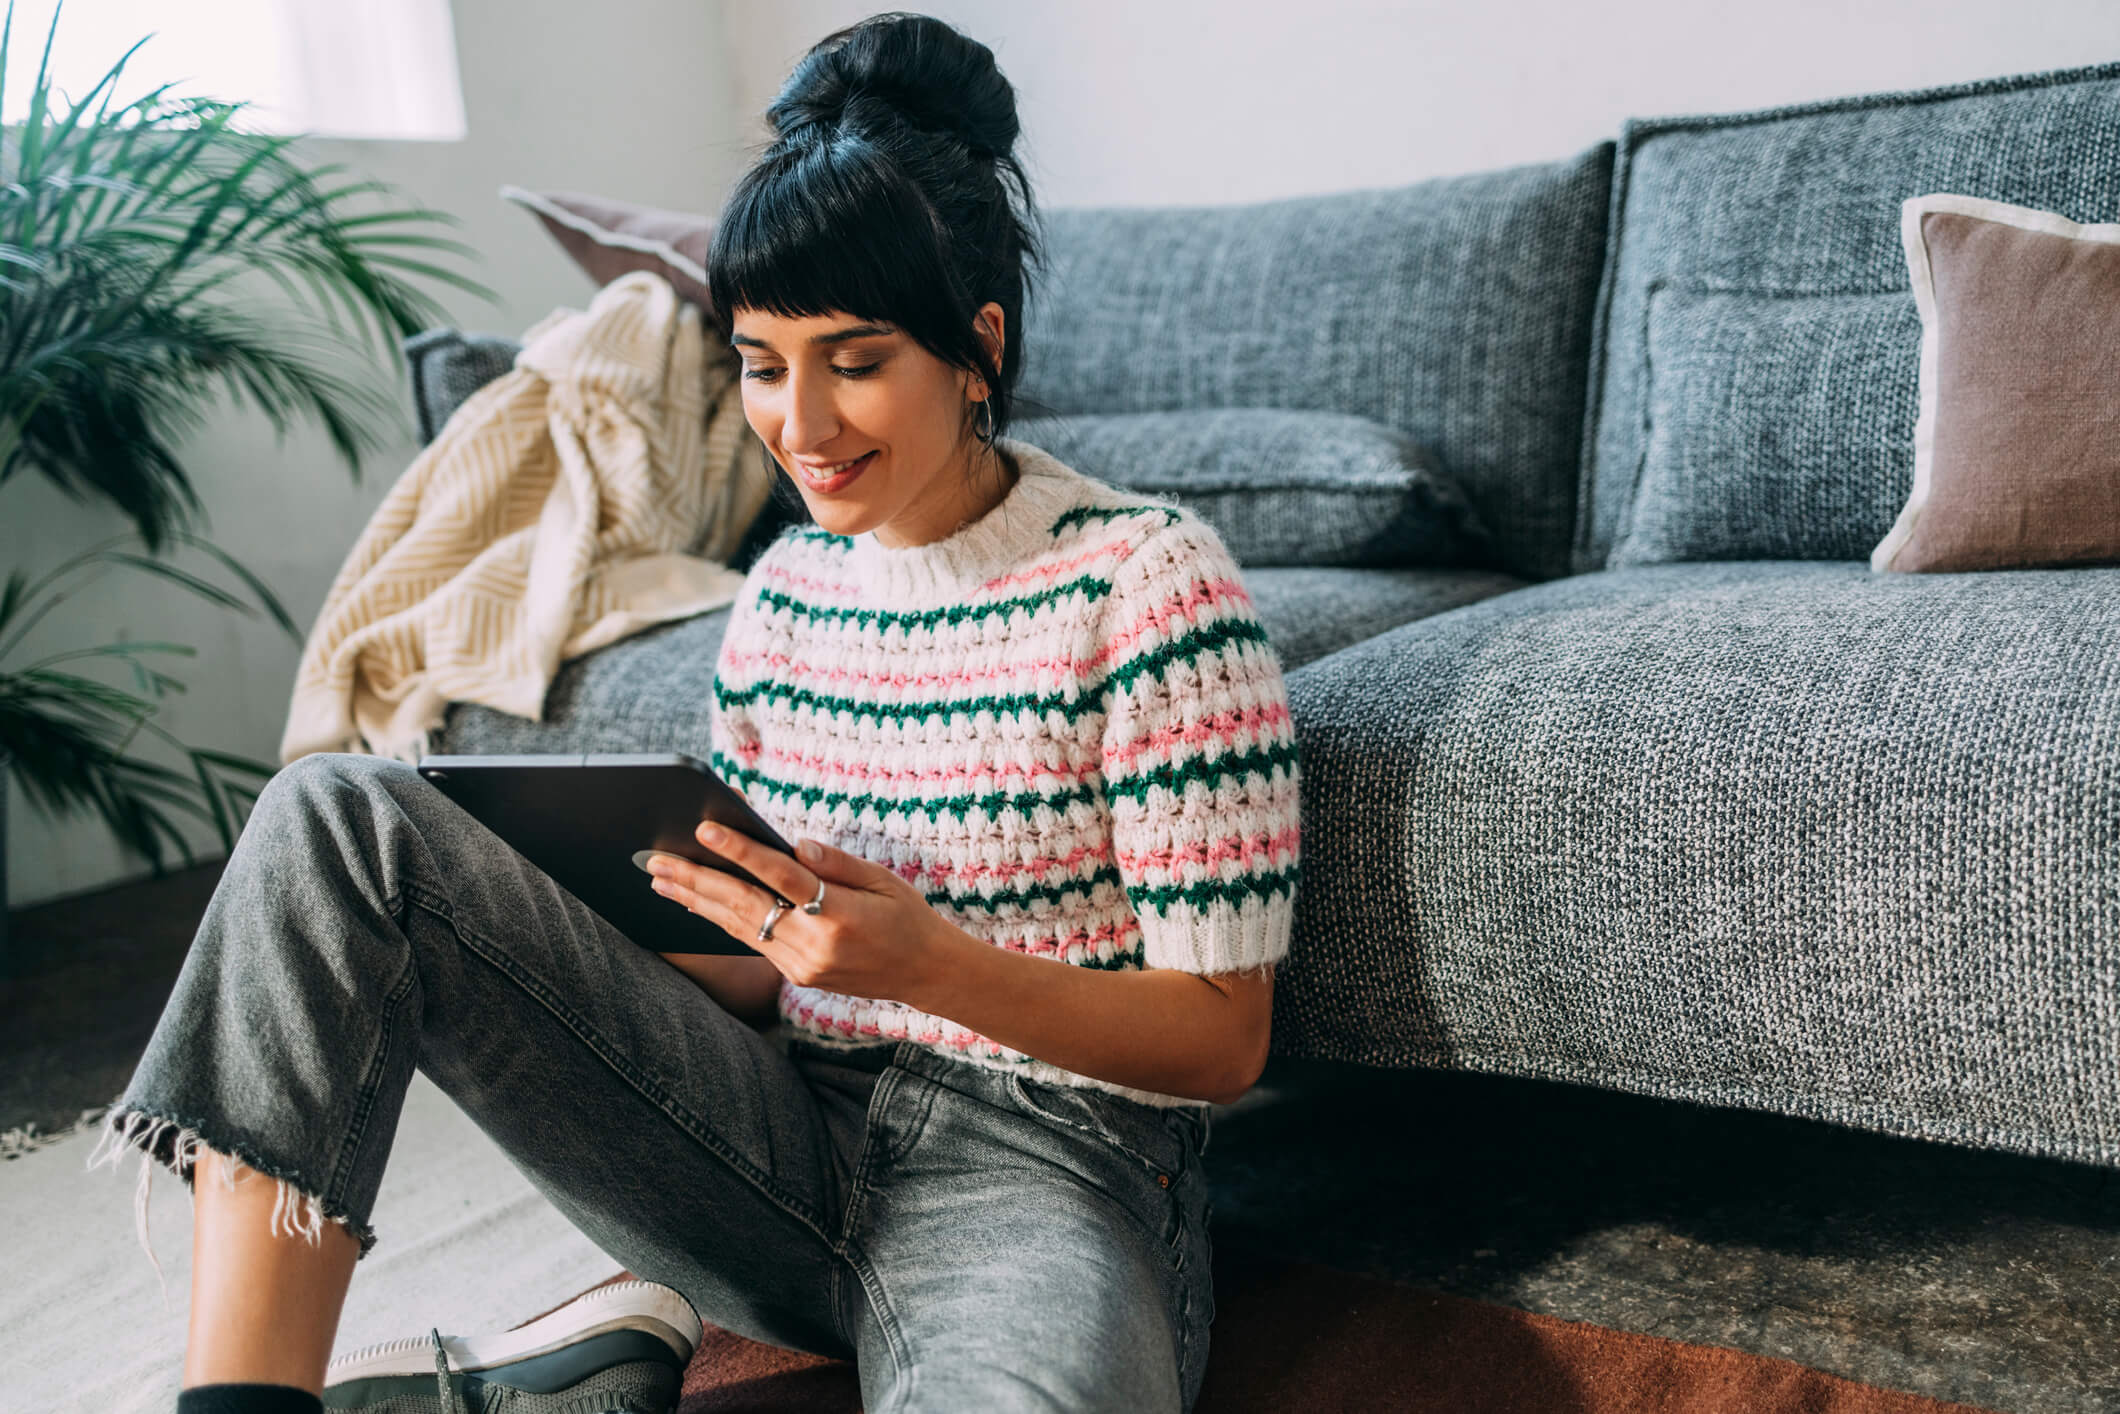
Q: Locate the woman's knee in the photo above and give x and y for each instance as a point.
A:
(331, 795)
(324, 776)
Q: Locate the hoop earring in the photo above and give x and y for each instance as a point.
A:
(988, 435)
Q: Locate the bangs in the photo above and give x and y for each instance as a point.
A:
(832, 230)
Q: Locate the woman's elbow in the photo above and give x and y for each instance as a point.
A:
(1244, 1066)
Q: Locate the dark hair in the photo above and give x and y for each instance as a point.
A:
(886, 193)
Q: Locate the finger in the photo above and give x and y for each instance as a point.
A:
(713, 895)
(772, 948)
(769, 866)
(738, 921)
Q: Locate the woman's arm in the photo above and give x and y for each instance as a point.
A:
(1176, 1032)
(1200, 1035)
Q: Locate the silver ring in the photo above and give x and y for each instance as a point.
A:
(780, 906)
(815, 905)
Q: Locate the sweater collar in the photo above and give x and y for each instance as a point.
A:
(1010, 533)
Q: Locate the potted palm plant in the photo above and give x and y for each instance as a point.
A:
(128, 233)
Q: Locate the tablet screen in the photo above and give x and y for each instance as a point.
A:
(589, 821)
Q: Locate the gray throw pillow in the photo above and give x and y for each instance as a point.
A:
(448, 366)
(1281, 486)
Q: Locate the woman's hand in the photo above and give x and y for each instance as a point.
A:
(876, 936)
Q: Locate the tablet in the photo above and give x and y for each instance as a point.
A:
(590, 821)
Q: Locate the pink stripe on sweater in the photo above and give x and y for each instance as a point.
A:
(1053, 569)
(1198, 594)
(1228, 728)
(1038, 868)
(815, 766)
(1252, 851)
(810, 584)
(1202, 593)
(796, 671)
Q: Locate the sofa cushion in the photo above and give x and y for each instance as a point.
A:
(447, 366)
(1773, 431)
(1454, 310)
(1757, 358)
(1282, 487)
(1786, 835)
(608, 238)
(650, 692)
(2016, 451)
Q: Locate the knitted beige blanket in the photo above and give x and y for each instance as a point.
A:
(593, 490)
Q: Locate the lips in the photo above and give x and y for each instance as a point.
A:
(839, 479)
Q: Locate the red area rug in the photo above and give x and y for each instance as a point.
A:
(1289, 1336)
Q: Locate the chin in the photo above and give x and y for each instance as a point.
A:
(837, 516)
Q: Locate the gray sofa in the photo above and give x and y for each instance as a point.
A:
(1673, 795)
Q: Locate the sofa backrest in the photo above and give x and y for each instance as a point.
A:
(1456, 310)
(1753, 394)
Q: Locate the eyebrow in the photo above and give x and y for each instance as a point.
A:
(835, 336)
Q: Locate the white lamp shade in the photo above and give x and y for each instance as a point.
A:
(374, 69)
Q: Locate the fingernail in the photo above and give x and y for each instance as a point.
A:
(710, 834)
(807, 849)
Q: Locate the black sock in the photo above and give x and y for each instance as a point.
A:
(248, 1399)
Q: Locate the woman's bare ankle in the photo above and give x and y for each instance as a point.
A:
(265, 1296)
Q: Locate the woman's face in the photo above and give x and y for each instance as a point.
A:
(825, 390)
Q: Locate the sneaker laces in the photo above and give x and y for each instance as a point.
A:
(452, 1400)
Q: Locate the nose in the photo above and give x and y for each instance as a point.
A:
(812, 421)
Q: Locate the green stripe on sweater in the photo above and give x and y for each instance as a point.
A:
(1070, 704)
(1091, 587)
(1158, 898)
(1200, 770)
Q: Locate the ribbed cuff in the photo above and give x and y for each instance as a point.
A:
(1225, 937)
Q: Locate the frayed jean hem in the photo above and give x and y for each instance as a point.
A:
(174, 1144)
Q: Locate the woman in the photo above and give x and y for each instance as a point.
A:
(1035, 749)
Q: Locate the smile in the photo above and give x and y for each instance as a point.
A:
(832, 478)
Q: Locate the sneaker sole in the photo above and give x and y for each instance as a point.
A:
(628, 1320)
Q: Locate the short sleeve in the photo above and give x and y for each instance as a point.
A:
(1198, 756)
(730, 733)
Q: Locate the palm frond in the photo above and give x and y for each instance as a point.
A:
(128, 232)
(123, 231)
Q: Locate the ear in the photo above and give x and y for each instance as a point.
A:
(991, 325)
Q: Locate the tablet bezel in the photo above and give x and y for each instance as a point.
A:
(582, 818)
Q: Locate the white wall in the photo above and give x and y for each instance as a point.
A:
(1144, 102)
(1123, 102)
(631, 98)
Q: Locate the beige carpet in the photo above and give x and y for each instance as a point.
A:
(463, 1242)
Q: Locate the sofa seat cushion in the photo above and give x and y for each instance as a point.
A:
(1785, 835)
(1311, 611)
(652, 691)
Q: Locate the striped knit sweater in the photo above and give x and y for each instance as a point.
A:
(1063, 722)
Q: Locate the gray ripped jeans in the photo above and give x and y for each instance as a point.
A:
(972, 1238)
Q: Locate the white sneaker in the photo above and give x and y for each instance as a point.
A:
(621, 1348)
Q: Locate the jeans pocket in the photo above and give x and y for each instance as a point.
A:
(1072, 1107)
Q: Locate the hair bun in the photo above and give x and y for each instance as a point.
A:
(901, 67)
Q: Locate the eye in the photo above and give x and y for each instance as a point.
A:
(771, 375)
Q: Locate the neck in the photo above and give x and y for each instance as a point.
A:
(1015, 523)
(989, 475)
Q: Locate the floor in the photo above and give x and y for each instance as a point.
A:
(1956, 1273)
